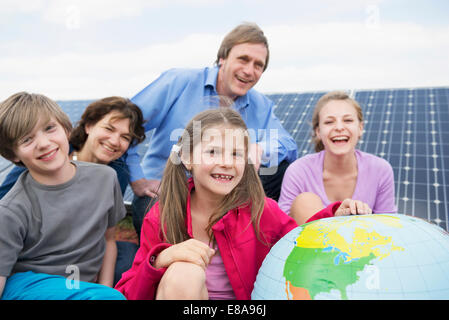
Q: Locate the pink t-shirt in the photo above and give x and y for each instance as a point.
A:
(217, 281)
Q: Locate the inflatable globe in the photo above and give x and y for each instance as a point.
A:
(376, 256)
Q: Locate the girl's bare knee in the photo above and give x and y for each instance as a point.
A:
(183, 280)
(304, 206)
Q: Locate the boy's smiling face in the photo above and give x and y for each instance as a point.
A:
(44, 151)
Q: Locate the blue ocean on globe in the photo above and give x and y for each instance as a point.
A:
(379, 256)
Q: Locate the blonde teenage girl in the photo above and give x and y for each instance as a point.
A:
(338, 171)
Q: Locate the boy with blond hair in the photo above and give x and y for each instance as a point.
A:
(57, 222)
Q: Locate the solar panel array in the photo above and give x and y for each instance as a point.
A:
(407, 127)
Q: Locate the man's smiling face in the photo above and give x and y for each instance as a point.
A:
(241, 70)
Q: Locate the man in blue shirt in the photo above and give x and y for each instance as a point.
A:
(177, 95)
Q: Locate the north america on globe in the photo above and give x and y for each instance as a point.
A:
(358, 257)
(339, 251)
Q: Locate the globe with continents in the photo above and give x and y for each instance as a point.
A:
(379, 256)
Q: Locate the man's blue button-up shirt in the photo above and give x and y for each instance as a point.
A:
(173, 99)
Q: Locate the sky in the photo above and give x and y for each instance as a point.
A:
(77, 50)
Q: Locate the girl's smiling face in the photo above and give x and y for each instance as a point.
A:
(339, 127)
(218, 161)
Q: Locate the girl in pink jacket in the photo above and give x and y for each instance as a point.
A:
(218, 226)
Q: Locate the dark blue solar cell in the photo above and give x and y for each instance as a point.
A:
(436, 148)
(421, 148)
(420, 126)
(421, 137)
(438, 162)
(393, 159)
(395, 170)
(395, 136)
(421, 191)
(444, 136)
(402, 191)
(421, 100)
(397, 148)
(418, 206)
(421, 176)
(400, 205)
(370, 148)
(376, 117)
(421, 161)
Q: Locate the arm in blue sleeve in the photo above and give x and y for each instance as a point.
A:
(133, 162)
(155, 101)
(10, 180)
(277, 143)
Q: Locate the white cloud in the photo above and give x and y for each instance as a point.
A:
(65, 11)
(352, 55)
(94, 75)
(303, 58)
(349, 41)
(14, 6)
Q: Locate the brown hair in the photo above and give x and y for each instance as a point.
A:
(19, 115)
(333, 95)
(100, 108)
(244, 33)
(174, 187)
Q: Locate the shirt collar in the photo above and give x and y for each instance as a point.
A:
(211, 77)
(211, 81)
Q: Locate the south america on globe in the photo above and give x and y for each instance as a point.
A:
(379, 256)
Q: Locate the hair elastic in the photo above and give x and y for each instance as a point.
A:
(176, 148)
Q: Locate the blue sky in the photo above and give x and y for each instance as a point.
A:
(69, 49)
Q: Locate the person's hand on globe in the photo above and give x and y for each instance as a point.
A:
(349, 206)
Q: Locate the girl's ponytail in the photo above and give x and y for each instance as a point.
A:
(173, 199)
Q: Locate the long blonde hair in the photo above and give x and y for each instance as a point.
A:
(174, 185)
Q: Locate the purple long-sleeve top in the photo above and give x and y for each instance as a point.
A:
(375, 181)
